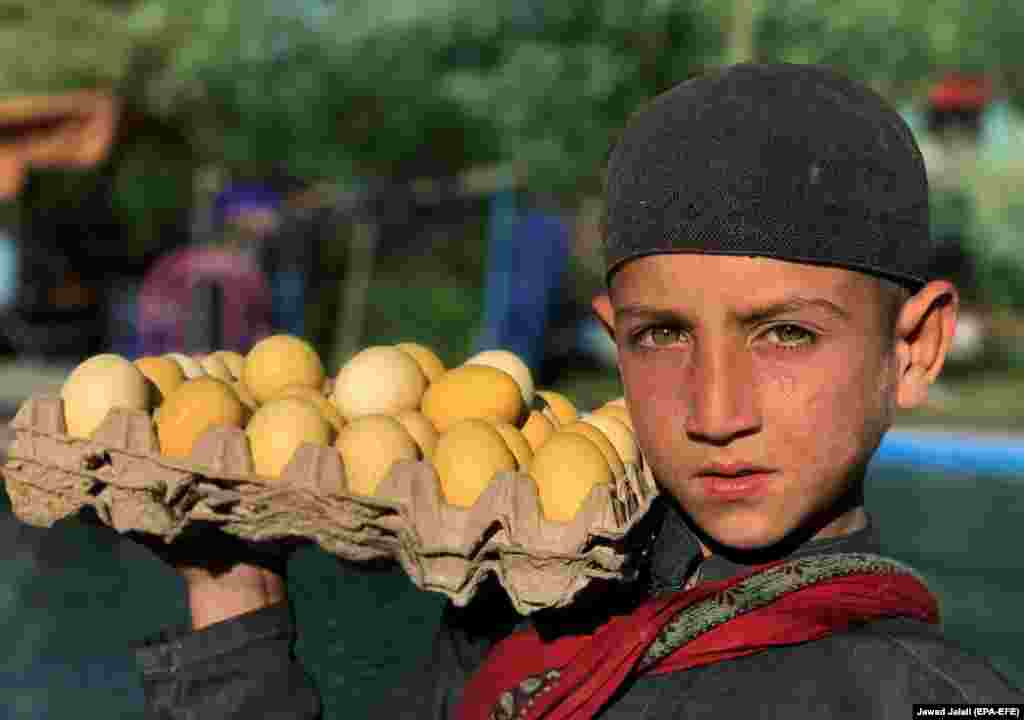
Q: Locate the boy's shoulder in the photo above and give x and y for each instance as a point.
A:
(918, 656)
(879, 670)
(876, 670)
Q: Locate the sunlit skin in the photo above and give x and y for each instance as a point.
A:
(806, 392)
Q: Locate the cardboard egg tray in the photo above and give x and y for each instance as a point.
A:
(120, 473)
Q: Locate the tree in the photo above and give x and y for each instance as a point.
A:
(401, 89)
(52, 46)
(558, 81)
(897, 47)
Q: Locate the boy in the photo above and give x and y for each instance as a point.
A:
(767, 252)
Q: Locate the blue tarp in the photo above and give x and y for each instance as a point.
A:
(954, 452)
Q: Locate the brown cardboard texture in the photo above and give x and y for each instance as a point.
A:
(120, 473)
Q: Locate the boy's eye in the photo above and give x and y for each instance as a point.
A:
(797, 335)
(658, 336)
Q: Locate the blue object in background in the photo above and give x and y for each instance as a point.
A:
(8, 269)
(289, 301)
(951, 452)
(240, 197)
(527, 261)
(123, 321)
(500, 248)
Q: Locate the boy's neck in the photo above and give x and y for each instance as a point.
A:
(846, 524)
(849, 522)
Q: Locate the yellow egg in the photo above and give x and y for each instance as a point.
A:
(617, 412)
(379, 380)
(189, 366)
(244, 395)
(472, 392)
(318, 398)
(603, 444)
(427, 359)
(510, 363)
(370, 445)
(467, 458)
(279, 428)
(618, 434)
(560, 405)
(192, 409)
(235, 361)
(278, 361)
(216, 367)
(517, 443)
(537, 429)
(97, 386)
(566, 468)
(421, 429)
(162, 372)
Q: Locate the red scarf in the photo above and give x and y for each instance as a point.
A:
(590, 668)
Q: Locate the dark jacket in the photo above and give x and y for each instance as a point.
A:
(244, 667)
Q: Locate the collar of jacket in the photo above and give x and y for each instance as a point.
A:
(676, 554)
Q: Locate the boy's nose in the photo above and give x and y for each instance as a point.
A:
(721, 395)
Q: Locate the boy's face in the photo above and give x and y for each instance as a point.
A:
(806, 393)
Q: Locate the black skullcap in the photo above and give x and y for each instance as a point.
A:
(793, 162)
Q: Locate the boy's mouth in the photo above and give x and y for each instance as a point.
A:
(735, 485)
(731, 481)
(732, 470)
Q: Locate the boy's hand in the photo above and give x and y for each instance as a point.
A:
(224, 576)
(213, 597)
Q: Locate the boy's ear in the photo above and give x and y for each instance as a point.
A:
(925, 328)
(602, 305)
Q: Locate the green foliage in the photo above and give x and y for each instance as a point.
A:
(560, 86)
(412, 88)
(385, 107)
(982, 35)
(152, 186)
(880, 42)
(54, 45)
(992, 217)
(404, 90)
(898, 47)
(951, 212)
(996, 246)
(893, 44)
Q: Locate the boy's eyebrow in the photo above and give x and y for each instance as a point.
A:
(747, 318)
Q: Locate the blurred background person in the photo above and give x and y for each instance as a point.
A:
(528, 255)
(290, 253)
(214, 294)
(58, 312)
